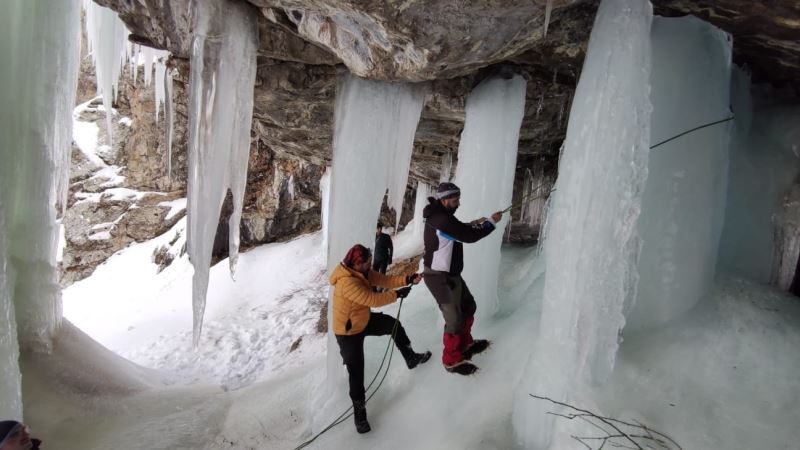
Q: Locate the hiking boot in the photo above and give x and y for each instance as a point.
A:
(478, 346)
(463, 367)
(417, 358)
(360, 417)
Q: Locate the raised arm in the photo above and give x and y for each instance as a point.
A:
(460, 231)
(356, 292)
(380, 280)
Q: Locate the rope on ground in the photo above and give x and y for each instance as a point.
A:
(348, 412)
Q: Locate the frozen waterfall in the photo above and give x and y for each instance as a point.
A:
(683, 203)
(591, 243)
(375, 123)
(220, 116)
(487, 157)
(39, 48)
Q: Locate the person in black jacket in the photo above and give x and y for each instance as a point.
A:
(444, 261)
(383, 250)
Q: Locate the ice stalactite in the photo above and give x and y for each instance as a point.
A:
(683, 205)
(325, 198)
(110, 49)
(220, 118)
(161, 85)
(536, 192)
(373, 122)
(591, 242)
(548, 10)
(39, 45)
(421, 199)
(169, 116)
(487, 157)
(447, 167)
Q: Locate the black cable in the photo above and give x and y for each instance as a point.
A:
(344, 416)
(693, 129)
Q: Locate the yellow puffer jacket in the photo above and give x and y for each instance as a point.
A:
(353, 297)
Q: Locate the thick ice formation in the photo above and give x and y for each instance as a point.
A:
(421, 199)
(535, 193)
(110, 49)
(591, 244)
(39, 49)
(683, 204)
(487, 157)
(374, 121)
(220, 116)
(759, 239)
(325, 197)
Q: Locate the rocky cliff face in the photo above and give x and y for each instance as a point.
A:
(450, 44)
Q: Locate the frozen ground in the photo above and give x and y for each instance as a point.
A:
(720, 377)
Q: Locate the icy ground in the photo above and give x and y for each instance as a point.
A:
(722, 376)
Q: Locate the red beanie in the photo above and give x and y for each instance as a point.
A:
(357, 254)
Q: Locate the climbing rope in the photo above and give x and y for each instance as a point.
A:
(348, 412)
(519, 202)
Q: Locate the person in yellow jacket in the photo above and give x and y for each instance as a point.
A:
(353, 320)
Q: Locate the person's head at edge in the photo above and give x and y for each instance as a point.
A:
(358, 258)
(449, 195)
(14, 436)
(378, 229)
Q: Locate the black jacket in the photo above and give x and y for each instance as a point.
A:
(444, 235)
(383, 248)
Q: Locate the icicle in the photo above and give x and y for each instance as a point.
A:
(169, 112)
(555, 76)
(161, 85)
(423, 191)
(109, 47)
(593, 218)
(539, 106)
(494, 116)
(148, 55)
(325, 198)
(547, 11)
(527, 185)
(447, 167)
(133, 64)
(220, 118)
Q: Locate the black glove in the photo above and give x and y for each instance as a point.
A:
(413, 278)
(403, 292)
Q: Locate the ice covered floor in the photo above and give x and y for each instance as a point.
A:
(721, 377)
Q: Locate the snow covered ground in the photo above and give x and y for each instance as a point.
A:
(720, 377)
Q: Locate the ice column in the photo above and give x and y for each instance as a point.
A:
(169, 113)
(487, 157)
(325, 197)
(447, 167)
(40, 53)
(109, 46)
(591, 243)
(373, 122)
(684, 200)
(220, 115)
(423, 192)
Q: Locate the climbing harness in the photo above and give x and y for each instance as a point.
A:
(348, 412)
(519, 202)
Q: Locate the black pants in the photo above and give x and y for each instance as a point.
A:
(352, 349)
(453, 297)
(380, 266)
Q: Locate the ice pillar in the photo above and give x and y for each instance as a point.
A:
(591, 244)
(220, 115)
(38, 77)
(683, 204)
(374, 121)
(487, 157)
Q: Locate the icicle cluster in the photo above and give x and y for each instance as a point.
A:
(220, 118)
(39, 47)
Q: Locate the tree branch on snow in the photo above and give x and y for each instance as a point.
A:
(614, 433)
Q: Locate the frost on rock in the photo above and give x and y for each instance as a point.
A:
(487, 157)
(39, 49)
(591, 243)
(220, 116)
(683, 204)
(447, 167)
(374, 121)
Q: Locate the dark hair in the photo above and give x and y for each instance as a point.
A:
(358, 254)
(379, 225)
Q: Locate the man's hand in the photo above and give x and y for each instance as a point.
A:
(497, 216)
(414, 278)
(403, 292)
(478, 221)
